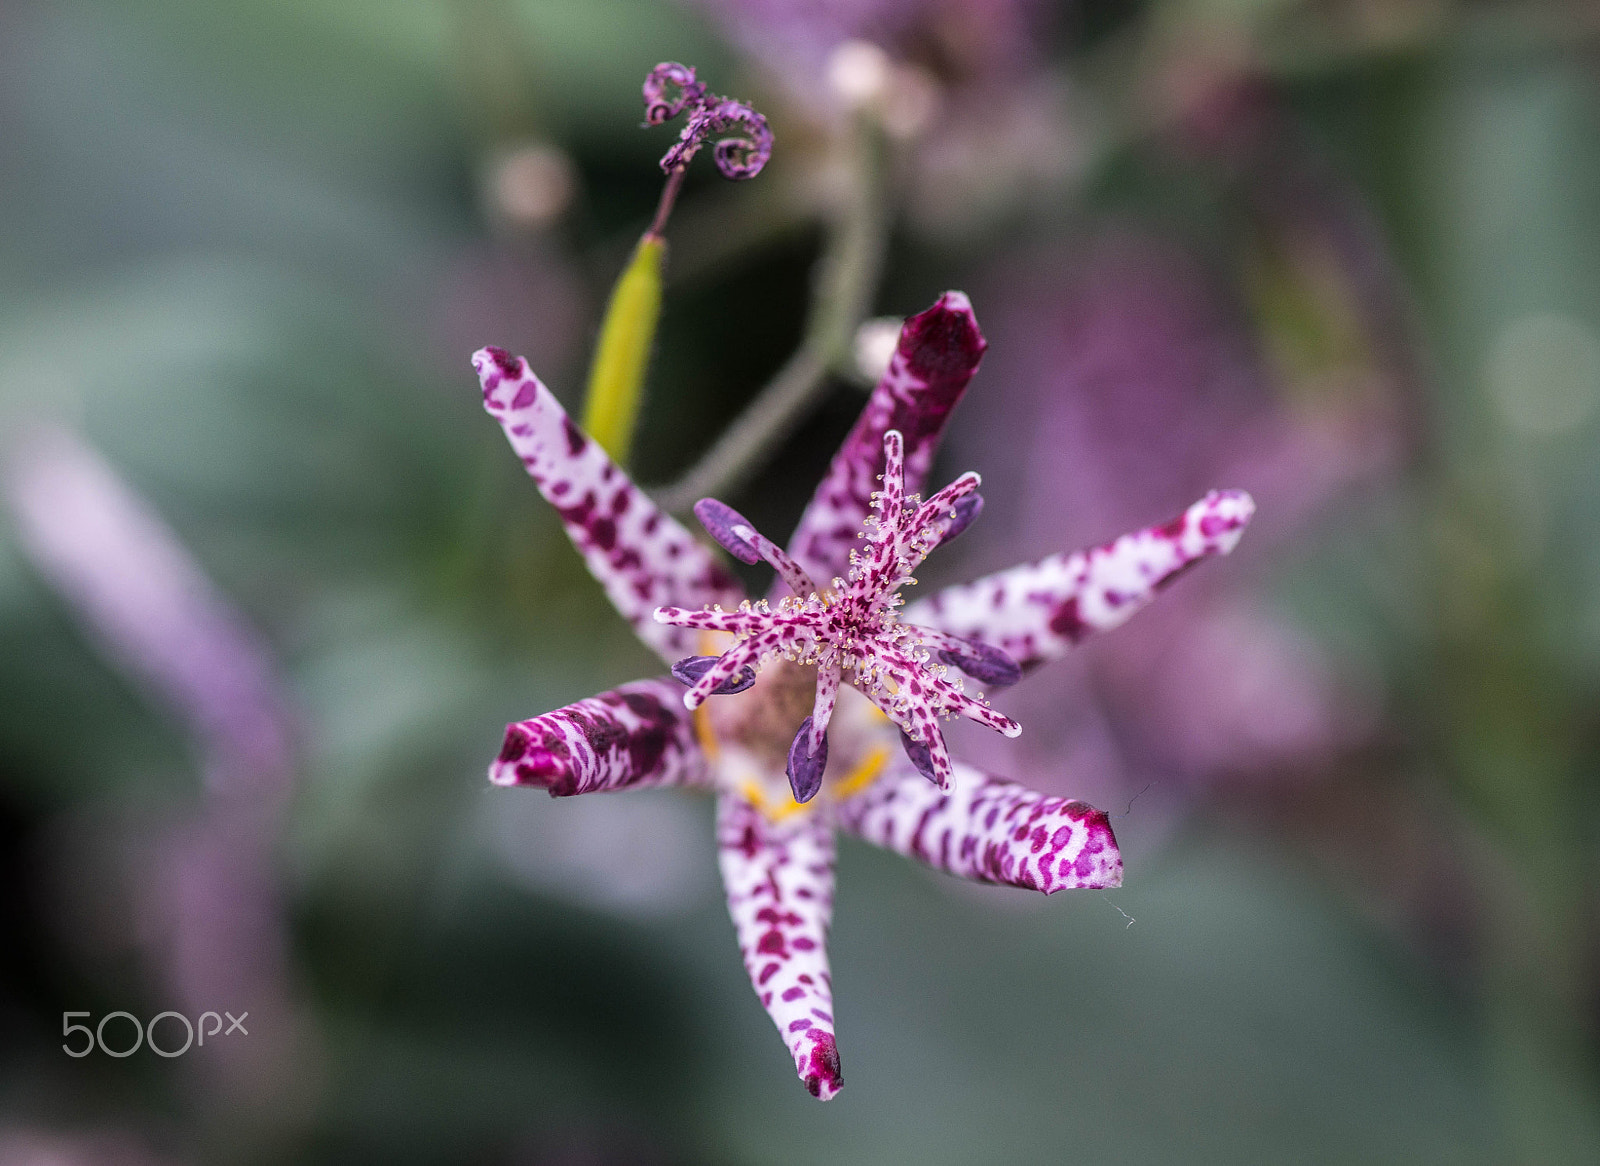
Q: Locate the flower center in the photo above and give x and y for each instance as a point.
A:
(747, 739)
(850, 633)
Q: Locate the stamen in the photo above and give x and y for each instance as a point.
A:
(966, 511)
(719, 519)
(822, 709)
(790, 571)
(690, 669)
(983, 662)
(805, 768)
(921, 756)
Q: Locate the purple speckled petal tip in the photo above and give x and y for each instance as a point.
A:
(938, 353)
(1037, 611)
(641, 555)
(690, 669)
(779, 879)
(636, 735)
(805, 767)
(988, 830)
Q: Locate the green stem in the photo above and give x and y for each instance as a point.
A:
(847, 279)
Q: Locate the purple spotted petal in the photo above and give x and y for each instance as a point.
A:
(640, 554)
(987, 830)
(985, 664)
(805, 767)
(939, 350)
(1037, 611)
(779, 879)
(636, 735)
(690, 669)
(719, 519)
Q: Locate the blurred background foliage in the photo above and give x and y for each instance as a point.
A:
(1345, 253)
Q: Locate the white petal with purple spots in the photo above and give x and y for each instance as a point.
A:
(636, 735)
(1037, 611)
(641, 555)
(939, 350)
(989, 830)
(779, 879)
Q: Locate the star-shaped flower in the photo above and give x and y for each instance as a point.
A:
(827, 700)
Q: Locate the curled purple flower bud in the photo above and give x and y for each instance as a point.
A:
(805, 769)
(984, 663)
(921, 756)
(967, 510)
(719, 519)
(692, 668)
(668, 89)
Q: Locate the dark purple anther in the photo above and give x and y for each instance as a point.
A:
(805, 769)
(967, 509)
(719, 520)
(920, 756)
(985, 664)
(691, 668)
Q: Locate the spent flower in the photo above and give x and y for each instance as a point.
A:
(671, 89)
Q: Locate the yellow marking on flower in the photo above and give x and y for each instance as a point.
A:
(864, 774)
(773, 812)
(622, 355)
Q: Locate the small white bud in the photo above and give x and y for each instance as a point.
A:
(858, 72)
(874, 345)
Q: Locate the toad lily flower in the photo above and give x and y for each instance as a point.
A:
(816, 687)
